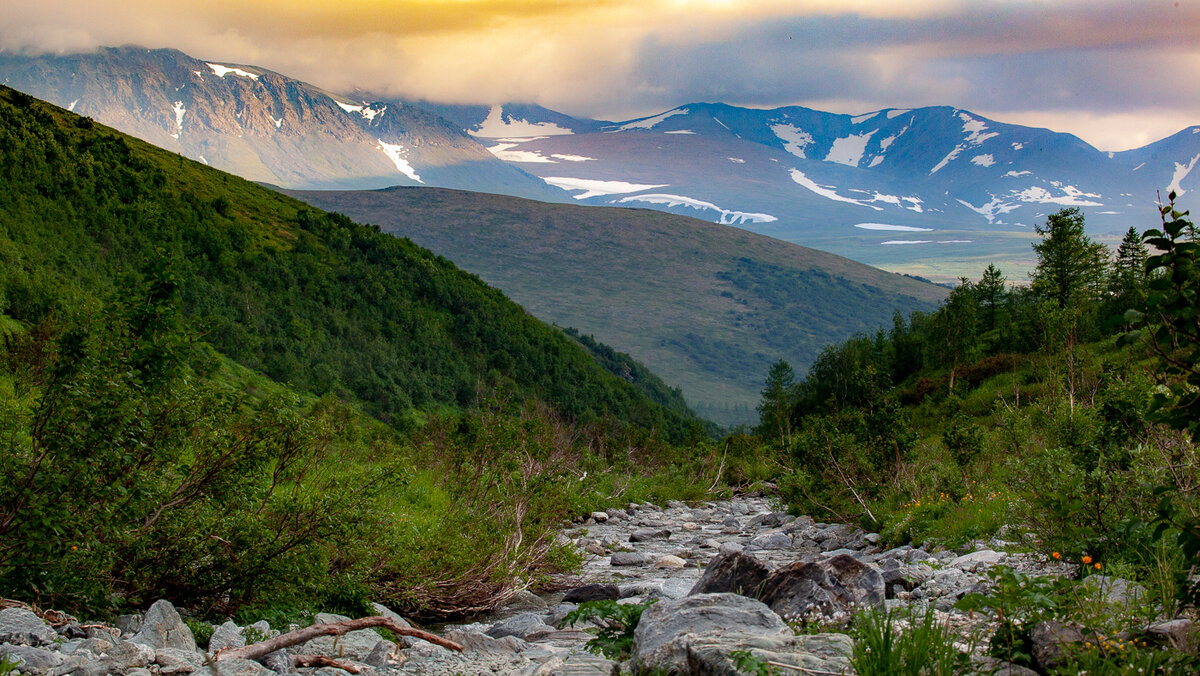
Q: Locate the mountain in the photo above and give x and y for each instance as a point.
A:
(264, 126)
(895, 188)
(708, 307)
(305, 297)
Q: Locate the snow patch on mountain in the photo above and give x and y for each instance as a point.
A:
(595, 188)
(914, 203)
(897, 112)
(736, 160)
(727, 217)
(71, 106)
(222, 71)
(1016, 174)
(681, 131)
(497, 125)
(985, 160)
(572, 158)
(1071, 197)
(991, 210)
(828, 192)
(1018, 146)
(348, 107)
(179, 111)
(395, 153)
(795, 139)
(859, 119)
(278, 121)
(888, 226)
(503, 151)
(1181, 172)
(974, 129)
(650, 122)
(848, 150)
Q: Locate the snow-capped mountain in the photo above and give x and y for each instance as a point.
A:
(265, 126)
(965, 187)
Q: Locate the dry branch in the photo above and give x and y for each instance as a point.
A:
(322, 661)
(257, 650)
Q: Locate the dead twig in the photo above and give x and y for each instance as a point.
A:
(322, 661)
(257, 650)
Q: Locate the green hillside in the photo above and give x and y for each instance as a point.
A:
(305, 297)
(708, 307)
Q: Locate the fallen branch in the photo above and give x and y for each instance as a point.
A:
(322, 661)
(257, 650)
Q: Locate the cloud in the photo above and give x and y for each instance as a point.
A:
(1087, 64)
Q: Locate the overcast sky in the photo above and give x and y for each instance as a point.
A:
(1118, 73)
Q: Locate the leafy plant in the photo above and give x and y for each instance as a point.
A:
(201, 631)
(905, 643)
(747, 662)
(1018, 601)
(617, 623)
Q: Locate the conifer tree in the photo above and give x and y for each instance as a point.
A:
(990, 293)
(775, 408)
(1070, 267)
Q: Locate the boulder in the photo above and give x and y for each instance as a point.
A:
(163, 628)
(592, 592)
(647, 534)
(128, 624)
(734, 573)
(1180, 634)
(228, 635)
(628, 559)
(236, 668)
(381, 654)
(599, 517)
(709, 655)
(826, 588)
(127, 655)
(656, 645)
(31, 660)
(616, 514)
(519, 625)
(176, 661)
(354, 645)
(862, 580)
(773, 540)
(22, 627)
(1049, 641)
(1114, 590)
(978, 561)
(670, 562)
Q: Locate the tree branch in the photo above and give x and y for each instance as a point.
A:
(257, 650)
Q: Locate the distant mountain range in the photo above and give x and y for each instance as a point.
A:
(892, 188)
(938, 192)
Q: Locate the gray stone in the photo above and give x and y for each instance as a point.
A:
(709, 655)
(732, 522)
(381, 654)
(616, 514)
(560, 612)
(175, 661)
(803, 590)
(675, 588)
(655, 639)
(228, 635)
(354, 645)
(129, 624)
(138, 672)
(526, 600)
(641, 588)
(862, 580)
(163, 628)
(730, 547)
(31, 660)
(628, 559)
(519, 625)
(648, 534)
(977, 561)
(128, 655)
(599, 517)
(392, 615)
(482, 643)
(735, 573)
(237, 668)
(22, 627)
(1114, 590)
(280, 662)
(1049, 641)
(770, 520)
(774, 540)
(592, 592)
(1180, 634)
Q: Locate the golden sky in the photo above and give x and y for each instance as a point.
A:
(1118, 73)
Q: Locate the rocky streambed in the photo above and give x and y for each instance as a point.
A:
(726, 576)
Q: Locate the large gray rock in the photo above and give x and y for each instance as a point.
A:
(771, 541)
(520, 626)
(31, 660)
(234, 668)
(709, 655)
(823, 589)
(354, 645)
(1114, 590)
(592, 592)
(175, 661)
(628, 559)
(978, 561)
(734, 573)
(647, 534)
(163, 628)
(656, 644)
(228, 635)
(22, 627)
(126, 655)
(1050, 641)
(862, 580)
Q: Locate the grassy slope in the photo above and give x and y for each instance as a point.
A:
(302, 296)
(706, 306)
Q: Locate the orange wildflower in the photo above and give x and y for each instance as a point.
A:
(1087, 559)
